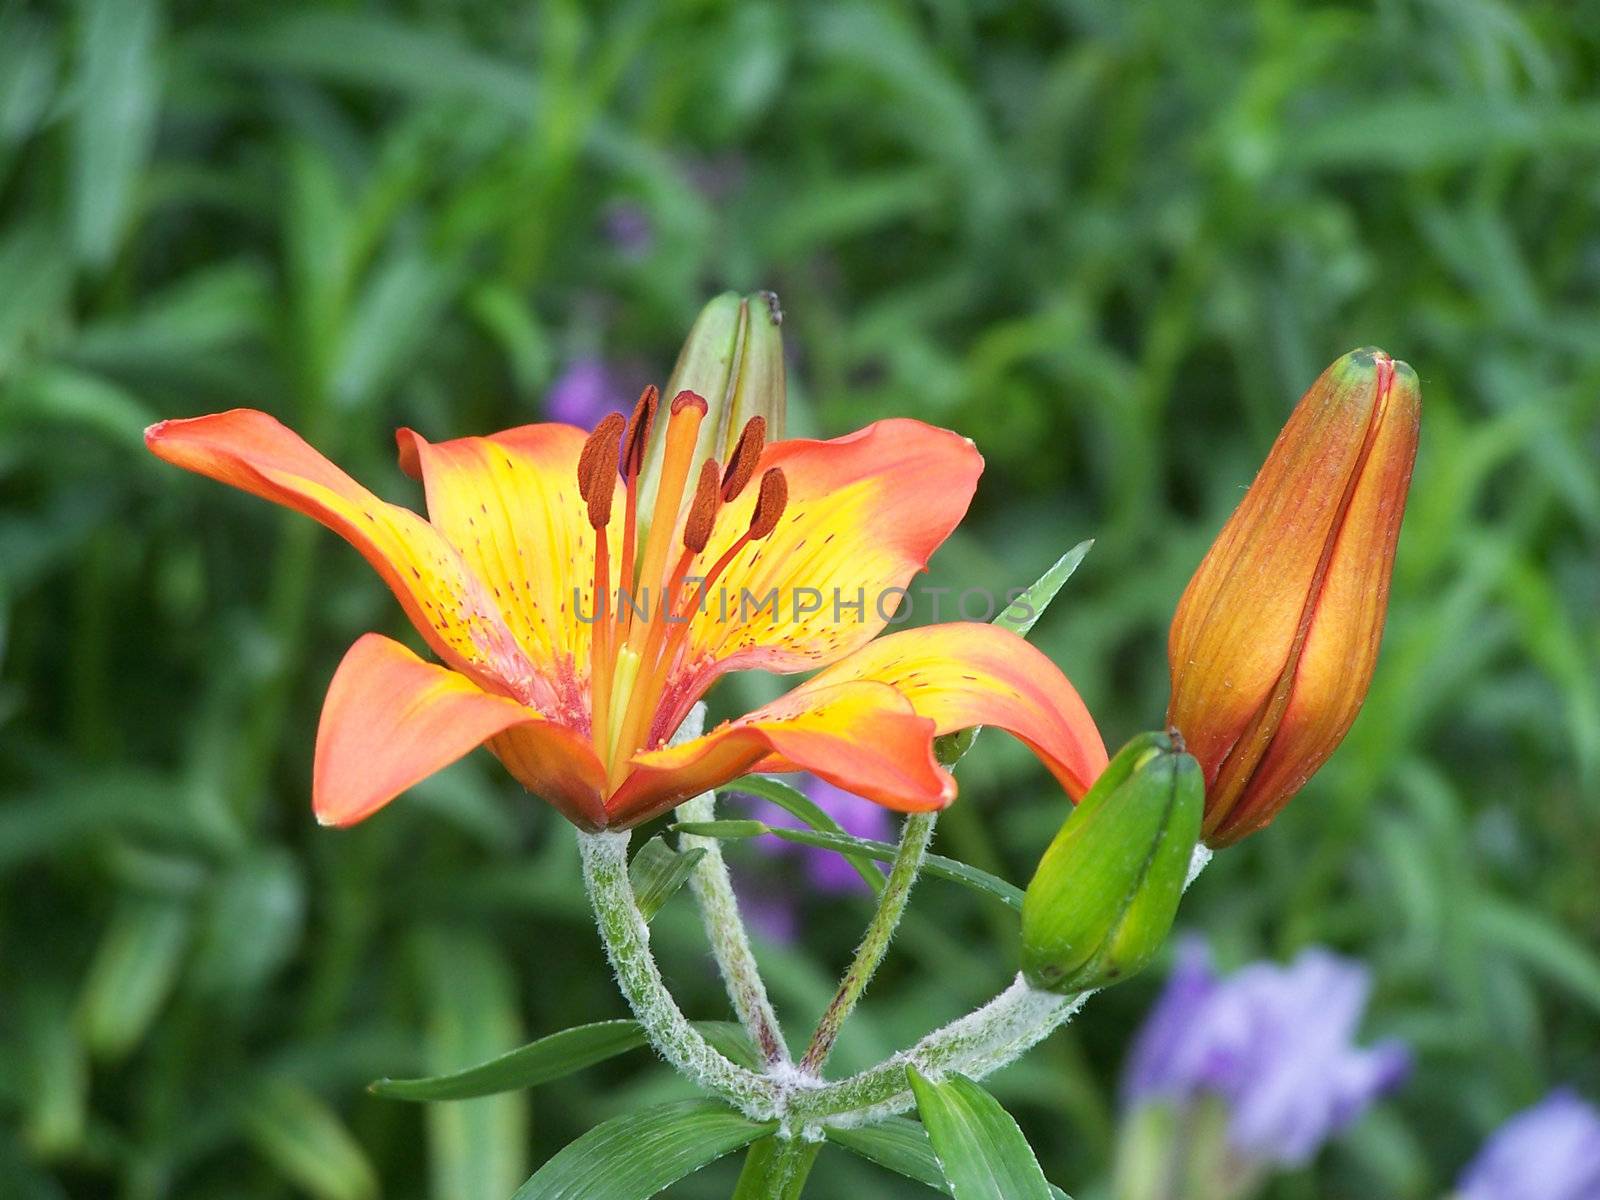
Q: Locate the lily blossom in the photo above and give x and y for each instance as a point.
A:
(573, 646)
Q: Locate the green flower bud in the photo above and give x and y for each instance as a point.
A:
(734, 358)
(1107, 889)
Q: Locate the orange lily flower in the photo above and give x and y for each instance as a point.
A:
(574, 647)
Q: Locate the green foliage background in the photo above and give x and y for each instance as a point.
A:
(1110, 242)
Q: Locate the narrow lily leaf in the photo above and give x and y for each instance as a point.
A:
(1023, 613)
(657, 872)
(797, 804)
(1020, 616)
(731, 830)
(527, 1066)
(638, 1154)
(306, 1141)
(902, 1146)
(554, 1057)
(933, 864)
(980, 1149)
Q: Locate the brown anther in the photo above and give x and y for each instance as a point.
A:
(742, 462)
(703, 508)
(638, 440)
(685, 399)
(596, 474)
(770, 503)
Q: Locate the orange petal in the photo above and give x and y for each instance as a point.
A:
(255, 453)
(862, 736)
(865, 512)
(510, 503)
(964, 674)
(390, 720)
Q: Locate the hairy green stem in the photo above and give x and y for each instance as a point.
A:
(719, 911)
(915, 835)
(627, 942)
(980, 1042)
(776, 1168)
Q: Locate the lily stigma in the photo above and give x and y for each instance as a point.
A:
(575, 631)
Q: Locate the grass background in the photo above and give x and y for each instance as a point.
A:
(1112, 243)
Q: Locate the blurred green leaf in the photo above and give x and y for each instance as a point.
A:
(118, 92)
(55, 1088)
(636, 1155)
(263, 893)
(1542, 946)
(135, 967)
(292, 1128)
(980, 1149)
(478, 1147)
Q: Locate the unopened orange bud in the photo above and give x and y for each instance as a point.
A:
(1274, 642)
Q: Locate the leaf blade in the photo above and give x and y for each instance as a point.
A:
(979, 1147)
(638, 1154)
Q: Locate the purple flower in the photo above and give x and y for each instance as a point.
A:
(1548, 1152)
(586, 391)
(1276, 1044)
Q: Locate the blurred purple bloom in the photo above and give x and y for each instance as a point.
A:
(627, 227)
(586, 391)
(1548, 1152)
(825, 870)
(1275, 1043)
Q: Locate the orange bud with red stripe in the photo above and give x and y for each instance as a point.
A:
(1275, 640)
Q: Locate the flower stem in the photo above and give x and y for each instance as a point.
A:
(719, 910)
(627, 942)
(915, 835)
(776, 1168)
(980, 1042)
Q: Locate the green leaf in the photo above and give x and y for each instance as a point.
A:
(118, 91)
(980, 1149)
(730, 1039)
(133, 971)
(638, 1154)
(553, 1057)
(1023, 613)
(897, 1144)
(476, 1148)
(293, 1129)
(901, 1145)
(1019, 616)
(729, 830)
(527, 1066)
(797, 804)
(933, 864)
(657, 872)
(1544, 947)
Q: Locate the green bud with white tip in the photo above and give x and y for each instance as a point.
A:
(1107, 889)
